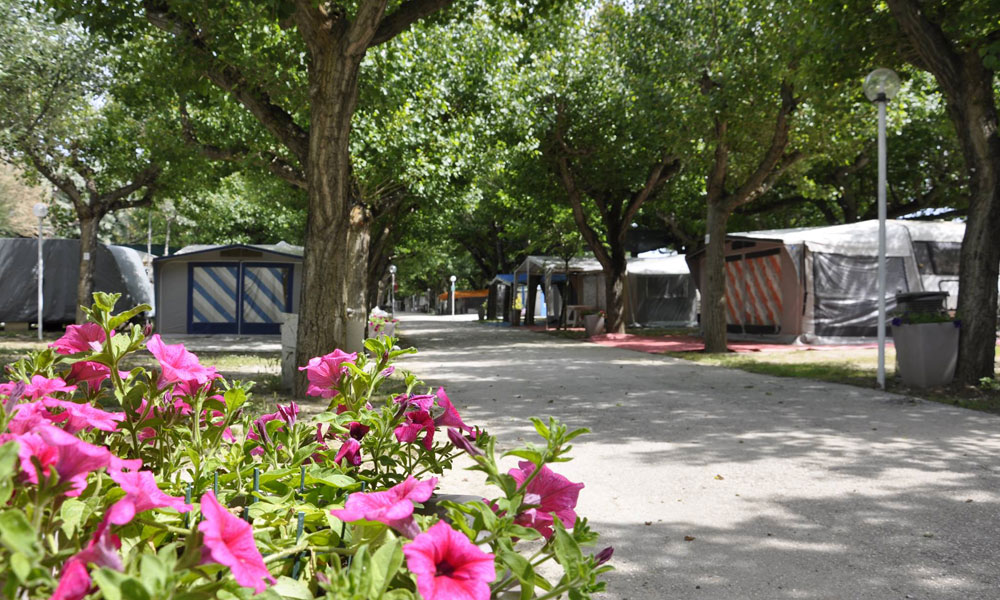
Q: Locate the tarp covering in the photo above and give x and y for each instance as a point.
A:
(118, 270)
(853, 239)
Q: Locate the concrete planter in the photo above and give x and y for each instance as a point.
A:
(594, 324)
(926, 353)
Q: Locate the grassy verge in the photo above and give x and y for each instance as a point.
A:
(852, 367)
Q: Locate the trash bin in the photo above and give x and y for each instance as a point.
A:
(921, 302)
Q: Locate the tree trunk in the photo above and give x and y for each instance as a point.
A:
(713, 294)
(89, 225)
(337, 236)
(975, 118)
(614, 292)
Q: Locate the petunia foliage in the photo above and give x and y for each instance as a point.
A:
(159, 482)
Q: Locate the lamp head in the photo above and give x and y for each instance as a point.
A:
(452, 278)
(40, 209)
(881, 85)
(392, 269)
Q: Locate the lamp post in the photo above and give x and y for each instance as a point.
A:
(453, 278)
(881, 85)
(392, 289)
(40, 211)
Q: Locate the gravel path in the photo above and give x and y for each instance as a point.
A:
(790, 488)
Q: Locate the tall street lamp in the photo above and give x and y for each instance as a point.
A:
(392, 289)
(453, 278)
(881, 86)
(40, 211)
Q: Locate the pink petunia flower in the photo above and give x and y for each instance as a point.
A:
(449, 417)
(41, 386)
(547, 495)
(72, 458)
(462, 443)
(324, 372)
(416, 421)
(229, 542)
(394, 506)
(141, 494)
(418, 401)
(102, 550)
(80, 338)
(28, 416)
(351, 450)
(74, 583)
(78, 416)
(177, 364)
(91, 373)
(448, 566)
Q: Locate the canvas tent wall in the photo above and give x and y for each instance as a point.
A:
(117, 270)
(937, 248)
(816, 283)
(235, 289)
(659, 290)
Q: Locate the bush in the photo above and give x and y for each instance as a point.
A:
(179, 493)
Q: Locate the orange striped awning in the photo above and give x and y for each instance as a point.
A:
(466, 294)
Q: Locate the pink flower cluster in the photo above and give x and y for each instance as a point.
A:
(324, 372)
(420, 421)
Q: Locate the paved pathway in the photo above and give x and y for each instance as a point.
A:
(791, 489)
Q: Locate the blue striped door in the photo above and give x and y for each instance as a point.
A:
(214, 298)
(267, 292)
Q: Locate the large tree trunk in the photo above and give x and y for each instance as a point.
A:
(89, 224)
(332, 310)
(713, 294)
(975, 118)
(614, 292)
(968, 88)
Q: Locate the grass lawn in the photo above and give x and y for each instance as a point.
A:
(850, 366)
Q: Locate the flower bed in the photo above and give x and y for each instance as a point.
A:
(177, 492)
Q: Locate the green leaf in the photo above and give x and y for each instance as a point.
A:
(105, 301)
(567, 550)
(119, 586)
(384, 564)
(16, 533)
(521, 568)
(121, 318)
(540, 427)
(533, 455)
(235, 398)
(329, 478)
(8, 460)
(72, 513)
(292, 589)
(21, 566)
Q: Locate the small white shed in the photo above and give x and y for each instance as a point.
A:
(232, 289)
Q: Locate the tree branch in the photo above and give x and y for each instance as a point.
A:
(930, 44)
(275, 119)
(404, 16)
(117, 198)
(775, 162)
(661, 173)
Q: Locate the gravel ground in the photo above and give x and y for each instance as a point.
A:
(789, 488)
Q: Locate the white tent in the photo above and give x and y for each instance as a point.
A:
(818, 283)
(659, 289)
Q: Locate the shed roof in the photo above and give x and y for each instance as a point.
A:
(281, 249)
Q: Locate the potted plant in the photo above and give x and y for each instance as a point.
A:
(593, 322)
(379, 323)
(926, 347)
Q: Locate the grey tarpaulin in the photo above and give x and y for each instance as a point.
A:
(118, 270)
